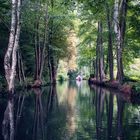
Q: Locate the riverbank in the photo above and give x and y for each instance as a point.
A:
(130, 90)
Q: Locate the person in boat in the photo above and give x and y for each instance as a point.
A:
(79, 78)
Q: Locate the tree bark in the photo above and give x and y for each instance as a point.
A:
(45, 42)
(97, 57)
(20, 69)
(110, 46)
(101, 57)
(40, 46)
(100, 75)
(10, 59)
(120, 12)
(118, 41)
(7, 58)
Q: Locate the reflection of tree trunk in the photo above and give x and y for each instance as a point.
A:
(39, 116)
(120, 105)
(19, 111)
(8, 121)
(99, 105)
(52, 99)
(110, 115)
(98, 113)
(98, 119)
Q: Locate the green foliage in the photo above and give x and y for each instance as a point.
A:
(61, 78)
(62, 15)
(136, 89)
(72, 74)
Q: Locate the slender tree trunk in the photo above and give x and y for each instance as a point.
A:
(40, 46)
(20, 69)
(7, 59)
(51, 56)
(16, 44)
(110, 46)
(97, 56)
(45, 42)
(118, 40)
(101, 57)
(10, 59)
(120, 12)
(107, 63)
(123, 13)
(36, 39)
(54, 71)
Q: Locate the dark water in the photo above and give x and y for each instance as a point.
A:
(68, 111)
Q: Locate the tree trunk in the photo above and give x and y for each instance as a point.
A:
(53, 72)
(45, 42)
(10, 59)
(20, 69)
(118, 41)
(8, 55)
(40, 47)
(101, 58)
(97, 57)
(36, 39)
(119, 29)
(110, 46)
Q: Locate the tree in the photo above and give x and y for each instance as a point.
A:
(99, 55)
(120, 10)
(40, 42)
(10, 59)
(110, 43)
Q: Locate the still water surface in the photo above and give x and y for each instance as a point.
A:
(68, 111)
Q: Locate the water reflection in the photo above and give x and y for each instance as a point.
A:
(104, 105)
(69, 112)
(120, 106)
(71, 115)
(19, 108)
(8, 121)
(38, 125)
(110, 115)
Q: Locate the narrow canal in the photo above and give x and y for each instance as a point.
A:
(68, 111)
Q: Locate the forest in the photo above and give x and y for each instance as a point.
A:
(43, 41)
(69, 69)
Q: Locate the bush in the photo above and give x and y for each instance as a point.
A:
(61, 78)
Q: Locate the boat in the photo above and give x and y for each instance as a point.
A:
(79, 78)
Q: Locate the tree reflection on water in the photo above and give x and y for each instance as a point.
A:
(68, 112)
(8, 121)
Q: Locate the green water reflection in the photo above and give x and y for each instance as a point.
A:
(68, 111)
